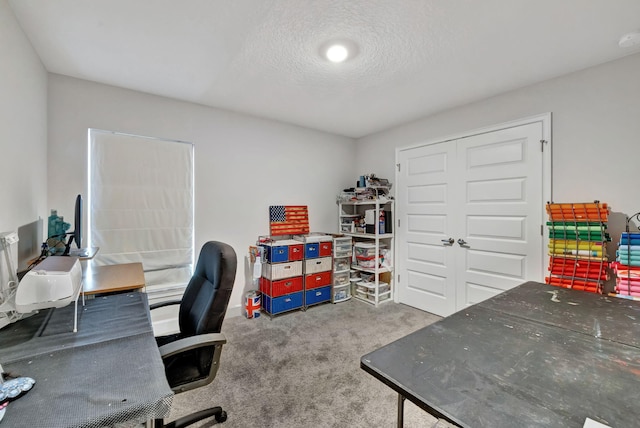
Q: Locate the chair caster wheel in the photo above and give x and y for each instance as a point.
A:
(221, 417)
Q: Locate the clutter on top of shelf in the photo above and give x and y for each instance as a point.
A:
(368, 187)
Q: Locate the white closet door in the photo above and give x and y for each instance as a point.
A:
(500, 212)
(426, 193)
(485, 191)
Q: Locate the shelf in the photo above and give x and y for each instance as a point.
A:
(373, 246)
(367, 202)
(371, 270)
(372, 302)
(369, 235)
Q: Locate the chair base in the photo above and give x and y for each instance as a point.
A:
(217, 412)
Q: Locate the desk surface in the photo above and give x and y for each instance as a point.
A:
(534, 356)
(82, 378)
(111, 278)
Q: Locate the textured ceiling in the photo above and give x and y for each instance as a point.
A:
(261, 57)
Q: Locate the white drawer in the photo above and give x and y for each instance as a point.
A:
(341, 279)
(317, 265)
(281, 270)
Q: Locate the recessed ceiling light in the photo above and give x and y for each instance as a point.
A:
(337, 53)
(630, 39)
(338, 50)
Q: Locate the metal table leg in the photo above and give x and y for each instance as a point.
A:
(400, 411)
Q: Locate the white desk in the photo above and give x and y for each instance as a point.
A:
(113, 278)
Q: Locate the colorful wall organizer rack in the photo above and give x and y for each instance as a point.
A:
(627, 264)
(577, 245)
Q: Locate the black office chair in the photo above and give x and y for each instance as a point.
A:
(191, 357)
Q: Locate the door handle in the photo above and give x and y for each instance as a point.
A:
(449, 241)
(462, 242)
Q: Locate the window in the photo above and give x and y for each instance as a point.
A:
(140, 205)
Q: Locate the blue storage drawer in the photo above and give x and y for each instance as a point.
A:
(276, 253)
(283, 303)
(311, 250)
(317, 295)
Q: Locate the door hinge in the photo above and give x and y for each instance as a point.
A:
(398, 165)
(398, 278)
(542, 230)
(398, 223)
(542, 143)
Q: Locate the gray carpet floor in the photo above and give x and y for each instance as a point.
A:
(302, 369)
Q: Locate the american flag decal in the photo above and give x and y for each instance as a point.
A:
(288, 220)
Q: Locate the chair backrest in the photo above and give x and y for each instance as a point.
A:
(206, 297)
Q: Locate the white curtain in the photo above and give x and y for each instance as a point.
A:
(141, 204)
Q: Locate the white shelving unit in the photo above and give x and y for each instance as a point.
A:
(369, 247)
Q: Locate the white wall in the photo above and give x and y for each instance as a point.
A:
(596, 133)
(242, 164)
(23, 127)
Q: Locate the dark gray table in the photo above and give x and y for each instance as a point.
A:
(110, 371)
(533, 356)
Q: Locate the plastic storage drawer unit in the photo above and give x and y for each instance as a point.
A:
(341, 264)
(366, 249)
(341, 278)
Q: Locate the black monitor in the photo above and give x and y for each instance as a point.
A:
(76, 235)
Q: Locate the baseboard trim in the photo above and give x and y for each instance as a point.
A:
(234, 311)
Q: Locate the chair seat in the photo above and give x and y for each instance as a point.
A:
(188, 366)
(184, 369)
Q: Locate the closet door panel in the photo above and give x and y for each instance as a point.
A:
(425, 207)
(499, 218)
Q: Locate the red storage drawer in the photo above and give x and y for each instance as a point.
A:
(326, 249)
(296, 252)
(280, 287)
(316, 280)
